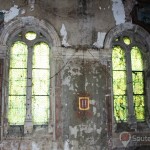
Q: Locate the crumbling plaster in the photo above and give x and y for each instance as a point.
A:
(83, 75)
(76, 31)
(79, 25)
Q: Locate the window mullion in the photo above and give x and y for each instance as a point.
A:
(131, 114)
(28, 120)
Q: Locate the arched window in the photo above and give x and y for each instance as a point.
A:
(119, 83)
(128, 79)
(29, 79)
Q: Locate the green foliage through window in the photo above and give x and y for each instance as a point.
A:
(136, 59)
(30, 35)
(118, 58)
(139, 107)
(120, 108)
(40, 82)
(119, 64)
(18, 83)
(138, 82)
(127, 40)
(119, 83)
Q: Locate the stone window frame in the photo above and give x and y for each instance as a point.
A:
(20, 36)
(126, 49)
(7, 36)
(131, 30)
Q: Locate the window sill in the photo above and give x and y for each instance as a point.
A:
(124, 126)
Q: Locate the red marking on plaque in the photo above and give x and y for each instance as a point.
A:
(84, 103)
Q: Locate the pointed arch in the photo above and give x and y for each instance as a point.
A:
(131, 28)
(15, 26)
(129, 43)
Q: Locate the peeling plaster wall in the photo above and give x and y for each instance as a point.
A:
(87, 128)
(118, 11)
(22, 144)
(82, 19)
(79, 24)
(82, 27)
(75, 129)
(12, 13)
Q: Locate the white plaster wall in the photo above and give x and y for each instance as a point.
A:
(118, 11)
(10, 14)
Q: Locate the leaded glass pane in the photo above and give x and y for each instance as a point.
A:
(18, 55)
(17, 83)
(41, 56)
(40, 82)
(136, 59)
(120, 108)
(139, 107)
(127, 40)
(118, 58)
(138, 82)
(40, 109)
(138, 85)
(16, 113)
(119, 82)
